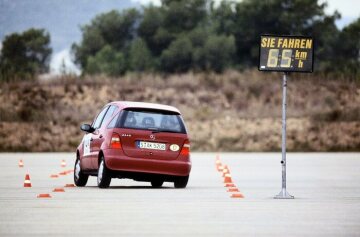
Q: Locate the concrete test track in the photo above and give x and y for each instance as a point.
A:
(326, 187)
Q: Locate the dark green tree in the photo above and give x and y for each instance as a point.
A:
(150, 29)
(116, 29)
(183, 15)
(107, 61)
(219, 52)
(347, 57)
(161, 25)
(223, 17)
(140, 56)
(25, 55)
(178, 57)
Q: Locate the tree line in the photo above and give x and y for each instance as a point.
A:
(183, 35)
(25, 55)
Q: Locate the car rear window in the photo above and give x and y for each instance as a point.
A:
(155, 120)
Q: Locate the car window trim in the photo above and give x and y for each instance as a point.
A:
(107, 108)
(118, 115)
(121, 121)
(111, 116)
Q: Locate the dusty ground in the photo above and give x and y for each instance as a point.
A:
(326, 190)
(229, 112)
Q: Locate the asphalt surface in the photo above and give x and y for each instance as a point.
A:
(326, 187)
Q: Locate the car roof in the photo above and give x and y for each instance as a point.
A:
(132, 104)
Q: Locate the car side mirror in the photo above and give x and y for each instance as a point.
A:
(87, 128)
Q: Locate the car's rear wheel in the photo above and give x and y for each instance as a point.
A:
(80, 179)
(104, 176)
(157, 183)
(181, 182)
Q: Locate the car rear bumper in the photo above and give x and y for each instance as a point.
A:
(117, 161)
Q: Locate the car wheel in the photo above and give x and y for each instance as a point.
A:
(80, 179)
(181, 182)
(157, 183)
(104, 176)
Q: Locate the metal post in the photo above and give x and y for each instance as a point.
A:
(284, 194)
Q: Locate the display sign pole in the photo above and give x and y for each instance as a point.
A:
(284, 194)
(285, 53)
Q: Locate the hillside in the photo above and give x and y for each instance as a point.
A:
(227, 112)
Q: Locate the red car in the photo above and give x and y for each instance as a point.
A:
(141, 141)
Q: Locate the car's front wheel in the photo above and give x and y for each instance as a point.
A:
(104, 176)
(157, 183)
(181, 182)
(80, 179)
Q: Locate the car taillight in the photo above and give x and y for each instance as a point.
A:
(186, 148)
(115, 141)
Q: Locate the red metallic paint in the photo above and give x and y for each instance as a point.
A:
(145, 161)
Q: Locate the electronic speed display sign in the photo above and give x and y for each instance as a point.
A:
(286, 53)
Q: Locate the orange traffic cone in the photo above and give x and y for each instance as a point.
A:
(63, 173)
(229, 185)
(225, 171)
(69, 171)
(234, 189)
(43, 195)
(218, 165)
(218, 162)
(21, 164)
(27, 182)
(58, 190)
(69, 185)
(63, 163)
(237, 195)
(54, 176)
(227, 179)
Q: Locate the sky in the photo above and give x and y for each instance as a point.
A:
(64, 18)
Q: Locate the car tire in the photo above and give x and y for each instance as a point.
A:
(104, 176)
(181, 182)
(80, 179)
(157, 183)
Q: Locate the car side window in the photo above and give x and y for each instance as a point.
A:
(114, 121)
(109, 113)
(99, 118)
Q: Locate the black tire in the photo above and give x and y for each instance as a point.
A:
(80, 179)
(157, 183)
(104, 175)
(181, 182)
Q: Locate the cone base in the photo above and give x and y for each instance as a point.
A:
(43, 195)
(233, 190)
(229, 185)
(58, 190)
(237, 195)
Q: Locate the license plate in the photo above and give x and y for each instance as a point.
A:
(151, 145)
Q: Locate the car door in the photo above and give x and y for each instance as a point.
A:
(93, 138)
(98, 136)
